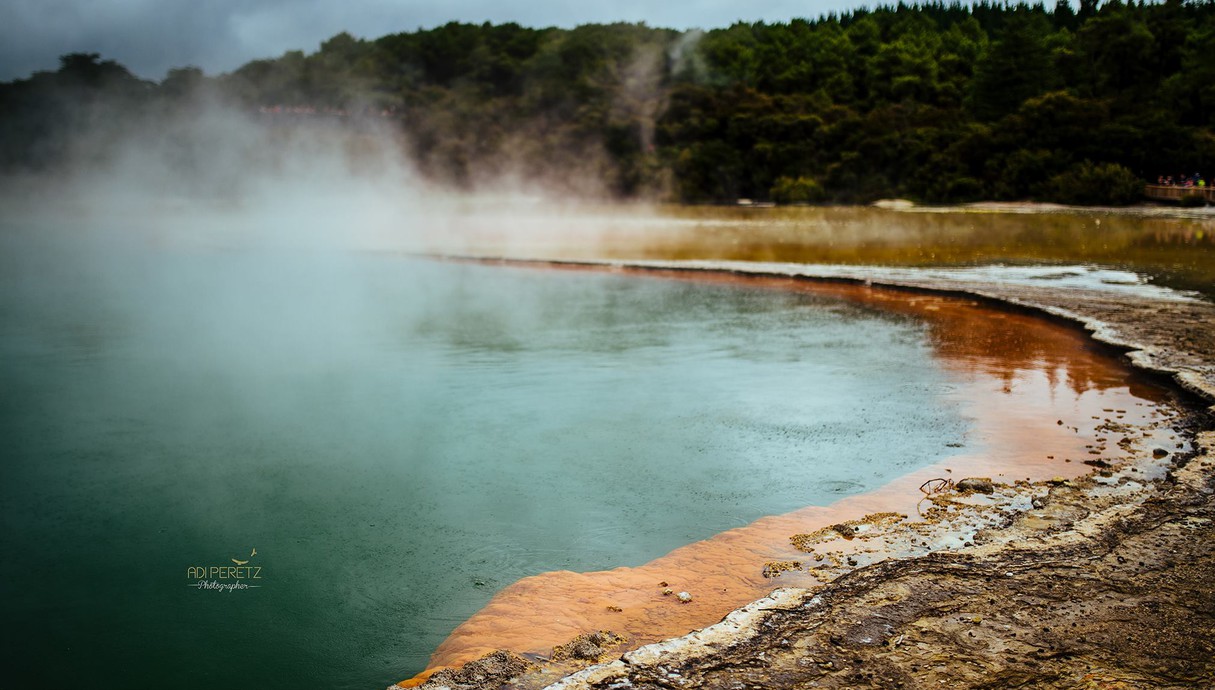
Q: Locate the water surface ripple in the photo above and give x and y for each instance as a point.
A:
(398, 440)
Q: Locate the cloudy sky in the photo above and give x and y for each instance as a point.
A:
(150, 36)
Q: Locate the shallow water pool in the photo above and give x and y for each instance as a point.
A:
(389, 442)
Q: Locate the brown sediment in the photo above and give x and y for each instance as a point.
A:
(1119, 593)
(1042, 398)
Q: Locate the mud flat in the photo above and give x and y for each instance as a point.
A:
(1099, 581)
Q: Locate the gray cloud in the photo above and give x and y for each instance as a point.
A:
(151, 36)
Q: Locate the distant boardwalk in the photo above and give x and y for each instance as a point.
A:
(1168, 192)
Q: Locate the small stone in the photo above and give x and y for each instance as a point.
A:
(587, 646)
(585, 650)
(845, 530)
(1159, 452)
(979, 485)
(497, 667)
(775, 568)
(684, 597)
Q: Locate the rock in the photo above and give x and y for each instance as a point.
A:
(683, 597)
(976, 485)
(895, 204)
(775, 568)
(845, 530)
(1159, 452)
(490, 671)
(587, 646)
(584, 649)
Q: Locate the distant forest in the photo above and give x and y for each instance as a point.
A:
(933, 102)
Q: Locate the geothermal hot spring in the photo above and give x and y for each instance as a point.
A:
(384, 443)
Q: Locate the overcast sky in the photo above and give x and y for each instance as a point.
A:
(150, 36)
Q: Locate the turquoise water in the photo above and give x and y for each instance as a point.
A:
(398, 439)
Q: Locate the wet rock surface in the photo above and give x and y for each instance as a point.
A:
(588, 647)
(981, 485)
(490, 671)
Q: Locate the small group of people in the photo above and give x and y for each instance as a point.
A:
(1195, 180)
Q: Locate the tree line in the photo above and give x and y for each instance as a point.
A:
(934, 102)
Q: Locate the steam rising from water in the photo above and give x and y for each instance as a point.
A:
(193, 335)
(214, 176)
(235, 246)
(266, 225)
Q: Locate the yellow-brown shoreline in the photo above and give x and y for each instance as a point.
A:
(1021, 298)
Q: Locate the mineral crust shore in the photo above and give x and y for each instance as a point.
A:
(1108, 582)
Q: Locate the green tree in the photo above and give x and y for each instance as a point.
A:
(898, 100)
(1117, 50)
(1097, 184)
(1197, 77)
(1016, 67)
(797, 190)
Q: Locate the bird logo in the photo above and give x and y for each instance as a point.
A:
(247, 559)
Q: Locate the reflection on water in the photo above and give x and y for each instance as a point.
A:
(1176, 250)
(398, 440)
(1039, 395)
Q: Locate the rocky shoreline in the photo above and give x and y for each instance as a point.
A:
(1105, 582)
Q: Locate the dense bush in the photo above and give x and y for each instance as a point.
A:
(937, 102)
(1097, 184)
(801, 190)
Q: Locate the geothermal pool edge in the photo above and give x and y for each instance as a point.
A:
(884, 625)
(1107, 318)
